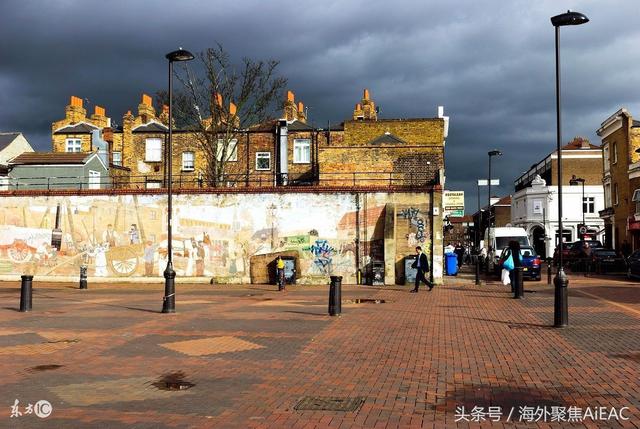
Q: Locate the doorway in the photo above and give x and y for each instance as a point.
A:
(538, 236)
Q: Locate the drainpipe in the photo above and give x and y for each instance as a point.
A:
(283, 165)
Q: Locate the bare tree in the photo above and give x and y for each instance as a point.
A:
(219, 101)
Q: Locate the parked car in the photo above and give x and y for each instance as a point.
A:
(576, 250)
(530, 263)
(607, 261)
(633, 265)
(565, 253)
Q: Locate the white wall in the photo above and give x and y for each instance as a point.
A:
(17, 146)
(546, 197)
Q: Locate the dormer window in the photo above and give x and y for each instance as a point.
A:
(73, 145)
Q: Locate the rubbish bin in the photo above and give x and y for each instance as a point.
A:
(451, 264)
(409, 273)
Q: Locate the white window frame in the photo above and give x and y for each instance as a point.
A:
(232, 155)
(153, 184)
(614, 149)
(302, 151)
(188, 164)
(117, 158)
(607, 195)
(589, 205)
(73, 145)
(152, 154)
(605, 155)
(263, 155)
(636, 199)
(93, 183)
(615, 194)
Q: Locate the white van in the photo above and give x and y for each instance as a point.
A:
(498, 239)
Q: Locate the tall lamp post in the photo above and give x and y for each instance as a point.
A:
(573, 182)
(169, 299)
(491, 154)
(561, 282)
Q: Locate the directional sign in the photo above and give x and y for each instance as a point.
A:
(485, 182)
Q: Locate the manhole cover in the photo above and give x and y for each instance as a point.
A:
(44, 368)
(319, 403)
(173, 381)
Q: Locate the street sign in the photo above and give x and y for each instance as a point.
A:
(485, 182)
(583, 229)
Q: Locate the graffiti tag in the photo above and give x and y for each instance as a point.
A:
(323, 253)
(411, 214)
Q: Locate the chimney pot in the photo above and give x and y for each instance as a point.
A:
(76, 101)
(300, 107)
(146, 100)
(232, 109)
(98, 111)
(290, 96)
(366, 94)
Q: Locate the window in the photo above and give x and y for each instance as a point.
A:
(614, 154)
(605, 157)
(187, 161)
(153, 184)
(153, 150)
(615, 194)
(263, 161)
(588, 205)
(232, 150)
(607, 195)
(94, 179)
(301, 151)
(636, 199)
(74, 145)
(117, 158)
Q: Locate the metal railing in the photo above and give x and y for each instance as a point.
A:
(193, 181)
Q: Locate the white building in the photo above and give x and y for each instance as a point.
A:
(535, 208)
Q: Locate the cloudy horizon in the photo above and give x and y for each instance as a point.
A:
(490, 64)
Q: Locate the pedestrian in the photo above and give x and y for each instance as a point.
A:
(459, 251)
(626, 249)
(280, 273)
(511, 259)
(422, 265)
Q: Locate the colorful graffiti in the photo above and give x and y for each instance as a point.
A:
(323, 256)
(412, 214)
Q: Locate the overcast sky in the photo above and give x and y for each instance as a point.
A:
(490, 63)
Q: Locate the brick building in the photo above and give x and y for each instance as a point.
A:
(364, 150)
(620, 135)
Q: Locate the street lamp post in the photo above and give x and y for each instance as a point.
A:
(491, 154)
(573, 182)
(169, 299)
(561, 282)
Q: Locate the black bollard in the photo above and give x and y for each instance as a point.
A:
(549, 271)
(26, 294)
(335, 296)
(83, 276)
(519, 283)
(477, 272)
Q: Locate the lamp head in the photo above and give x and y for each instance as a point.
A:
(495, 152)
(569, 18)
(179, 55)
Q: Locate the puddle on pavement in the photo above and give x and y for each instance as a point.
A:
(63, 341)
(173, 381)
(40, 368)
(363, 301)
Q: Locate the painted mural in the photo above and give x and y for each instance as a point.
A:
(213, 235)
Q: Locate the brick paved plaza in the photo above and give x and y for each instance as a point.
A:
(245, 356)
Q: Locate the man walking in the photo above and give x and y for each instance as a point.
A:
(422, 265)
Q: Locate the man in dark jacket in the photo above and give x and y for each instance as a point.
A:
(422, 265)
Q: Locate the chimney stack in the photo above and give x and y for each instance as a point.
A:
(145, 109)
(290, 109)
(75, 112)
(366, 109)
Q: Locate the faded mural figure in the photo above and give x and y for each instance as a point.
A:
(134, 235)
(100, 255)
(149, 256)
(200, 255)
(191, 259)
(109, 236)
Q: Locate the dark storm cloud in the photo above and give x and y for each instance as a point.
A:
(489, 63)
